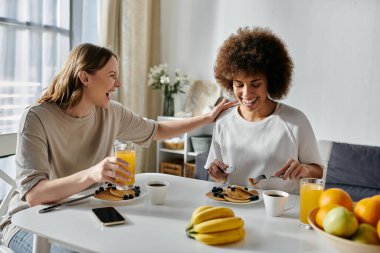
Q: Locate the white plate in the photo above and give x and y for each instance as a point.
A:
(126, 201)
(235, 203)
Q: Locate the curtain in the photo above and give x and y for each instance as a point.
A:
(131, 28)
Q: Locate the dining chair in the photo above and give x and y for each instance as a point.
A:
(355, 168)
(7, 148)
(324, 147)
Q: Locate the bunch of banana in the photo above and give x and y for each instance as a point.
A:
(215, 225)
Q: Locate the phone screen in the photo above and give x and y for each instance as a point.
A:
(108, 216)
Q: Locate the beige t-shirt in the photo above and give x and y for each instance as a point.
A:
(52, 144)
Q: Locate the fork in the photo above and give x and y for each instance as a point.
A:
(261, 177)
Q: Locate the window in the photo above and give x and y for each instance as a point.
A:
(35, 42)
(36, 37)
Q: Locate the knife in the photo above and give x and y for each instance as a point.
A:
(53, 207)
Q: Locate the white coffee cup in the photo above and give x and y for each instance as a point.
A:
(275, 202)
(157, 191)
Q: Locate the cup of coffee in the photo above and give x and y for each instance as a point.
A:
(157, 191)
(275, 202)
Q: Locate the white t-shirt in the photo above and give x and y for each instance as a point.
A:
(263, 147)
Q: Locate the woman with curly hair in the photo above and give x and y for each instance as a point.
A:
(260, 135)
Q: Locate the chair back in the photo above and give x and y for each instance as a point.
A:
(354, 168)
(324, 147)
(7, 148)
(200, 161)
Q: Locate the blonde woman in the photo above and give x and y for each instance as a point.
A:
(65, 140)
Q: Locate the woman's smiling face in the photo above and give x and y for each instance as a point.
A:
(103, 82)
(252, 93)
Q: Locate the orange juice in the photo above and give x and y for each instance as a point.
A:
(129, 157)
(310, 191)
(126, 152)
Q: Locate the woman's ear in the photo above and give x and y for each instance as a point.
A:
(83, 76)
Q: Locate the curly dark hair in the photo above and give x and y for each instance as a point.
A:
(256, 50)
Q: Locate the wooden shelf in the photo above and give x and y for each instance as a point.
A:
(175, 151)
(187, 154)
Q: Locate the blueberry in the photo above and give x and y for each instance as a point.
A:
(125, 197)
(137, 187)
(221, 195)
(215, 194)
(130, 196)
(113, 187)
(233, 188)
(220, 189)
(109, 185)
(97, 191)
(137, 194)
(246, 188)
(254, 197)
(214, 189)
(101, 188)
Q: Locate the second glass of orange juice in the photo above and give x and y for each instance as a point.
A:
(126, 152)
(310, 191)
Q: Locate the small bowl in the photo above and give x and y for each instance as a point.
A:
(339, 243)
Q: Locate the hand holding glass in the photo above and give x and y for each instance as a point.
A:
(126, 152)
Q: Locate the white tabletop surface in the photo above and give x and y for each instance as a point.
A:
(151, 228)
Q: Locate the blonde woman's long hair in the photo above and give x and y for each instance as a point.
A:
(66, 88)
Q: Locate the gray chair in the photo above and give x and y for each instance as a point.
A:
(200, 161)
(354, 168)
(7, 148)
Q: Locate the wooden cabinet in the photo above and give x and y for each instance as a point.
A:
(181, 156)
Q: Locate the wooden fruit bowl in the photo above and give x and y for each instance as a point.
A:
(339, 243)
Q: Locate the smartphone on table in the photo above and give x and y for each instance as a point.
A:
(108, 216)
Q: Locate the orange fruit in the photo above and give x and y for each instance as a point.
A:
(376, 197)
(367, 210)
(322, 212)
(336, 196)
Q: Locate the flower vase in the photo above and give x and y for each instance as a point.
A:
(168, 105)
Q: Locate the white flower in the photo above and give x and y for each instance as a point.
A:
(181, 77)
(165, 79)
(158, 78)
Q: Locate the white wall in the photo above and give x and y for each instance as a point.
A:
(335, 45)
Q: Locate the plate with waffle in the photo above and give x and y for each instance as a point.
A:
(234, 194)
(110, 193)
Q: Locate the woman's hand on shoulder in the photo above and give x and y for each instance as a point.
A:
(222, 106)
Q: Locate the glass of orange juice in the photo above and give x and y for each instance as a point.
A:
(310, 191)
(126, 152)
